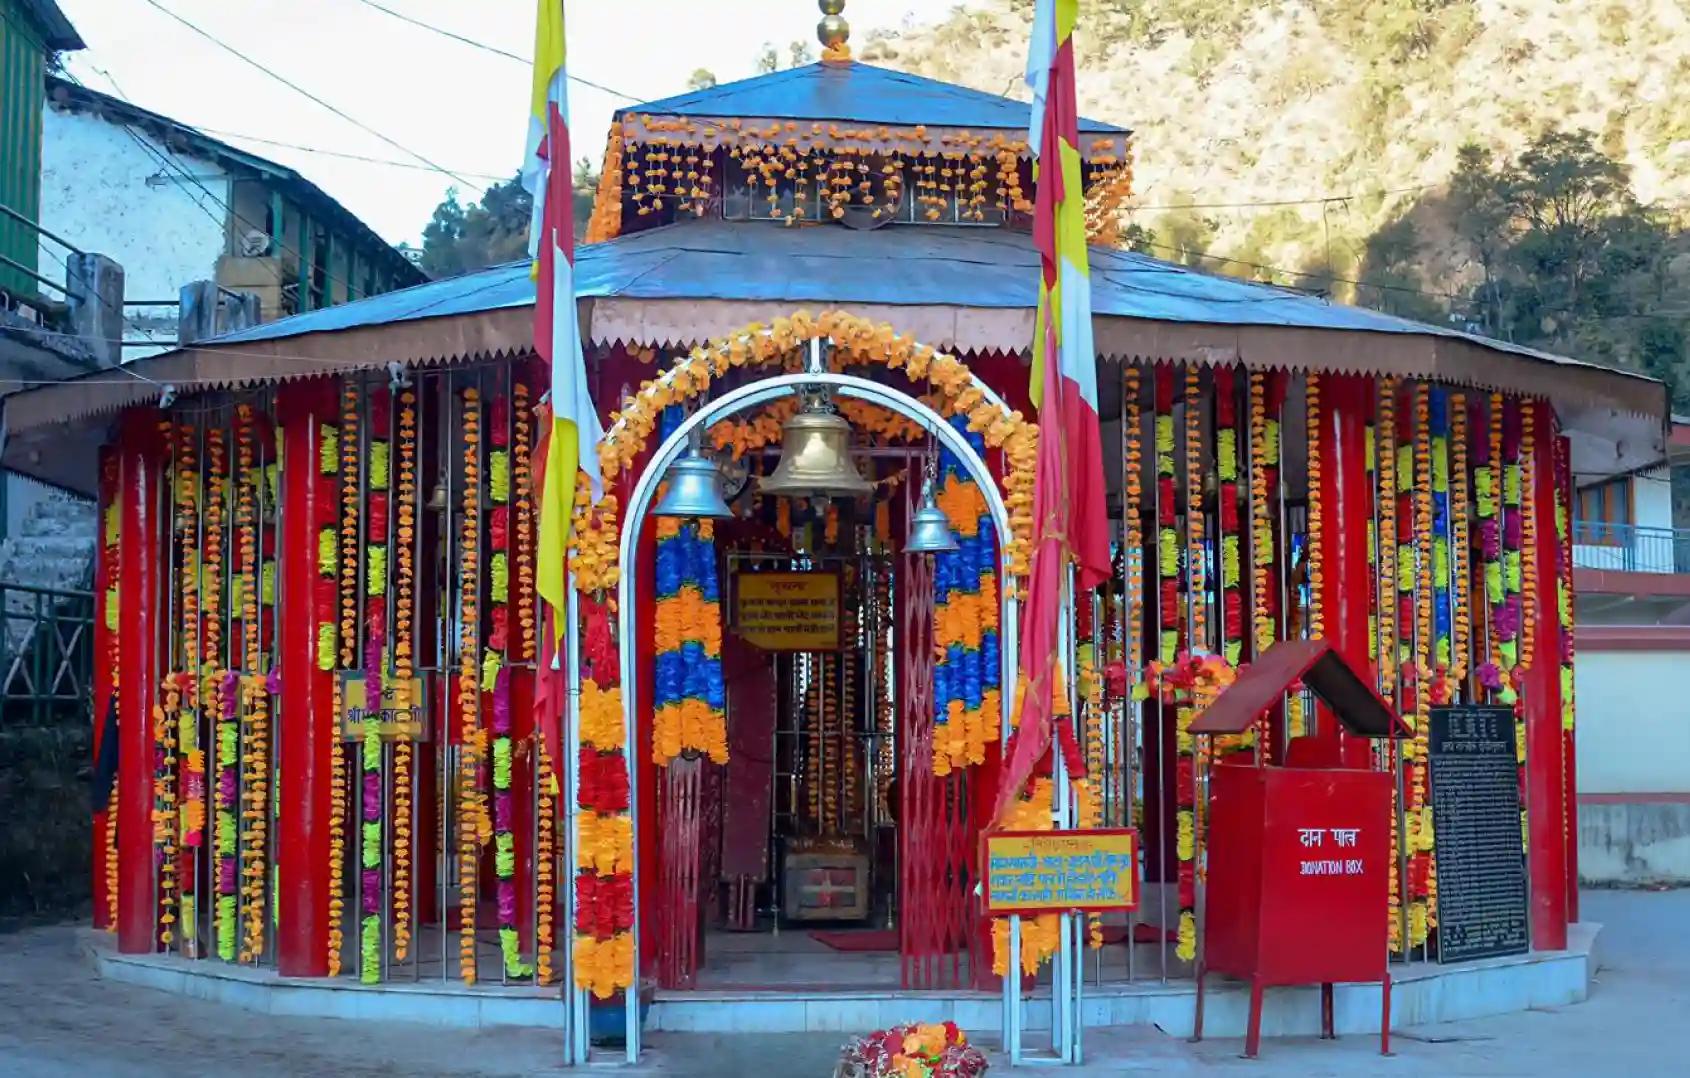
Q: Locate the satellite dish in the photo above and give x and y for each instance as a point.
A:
(255, 243)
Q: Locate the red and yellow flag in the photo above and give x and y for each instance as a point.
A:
(570, 441)
(1070, 518)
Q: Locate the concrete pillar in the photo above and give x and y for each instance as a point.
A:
(206, 310)
(94, 290)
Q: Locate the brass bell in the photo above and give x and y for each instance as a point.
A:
(930, 529)
(815, 455)
(695, 488)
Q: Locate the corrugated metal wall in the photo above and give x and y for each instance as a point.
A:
(22, 86)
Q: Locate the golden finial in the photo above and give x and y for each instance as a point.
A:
(833, 31)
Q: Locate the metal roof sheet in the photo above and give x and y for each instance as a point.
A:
(900, 265)
(858, 93)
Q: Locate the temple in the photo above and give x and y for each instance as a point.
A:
(788, 666)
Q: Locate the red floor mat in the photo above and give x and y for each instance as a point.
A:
(876, 939)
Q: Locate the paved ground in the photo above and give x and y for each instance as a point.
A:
(57, 1018)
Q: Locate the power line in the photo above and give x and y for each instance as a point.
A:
(303, 92)
(340, 153)
(483, 46)
(1289, 201)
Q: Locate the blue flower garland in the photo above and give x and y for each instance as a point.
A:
(967, 684)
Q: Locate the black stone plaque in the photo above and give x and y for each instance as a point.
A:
(1476, 834)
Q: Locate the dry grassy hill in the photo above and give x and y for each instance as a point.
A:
(1295, 101)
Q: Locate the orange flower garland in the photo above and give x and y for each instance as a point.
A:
(255, 730)
(1040, 935)
(404, 669)
(1419, 832)
(346, 572)
(473, 830)
(1528, 536)
(111, 519)
(1196, 583)
(1385, 454)
(858, 340)
(1317, 514)
(1132, 507)
(191, 792)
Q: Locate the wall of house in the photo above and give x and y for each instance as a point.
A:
(1633, 766)
(102, 189)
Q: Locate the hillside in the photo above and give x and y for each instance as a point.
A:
(1295, 101)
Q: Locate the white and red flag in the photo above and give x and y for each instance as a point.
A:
(570, 441)
(1070, 516)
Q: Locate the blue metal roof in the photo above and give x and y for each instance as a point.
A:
(855, 92)
(901, 265)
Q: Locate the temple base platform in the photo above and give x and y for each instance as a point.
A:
(1422, 994)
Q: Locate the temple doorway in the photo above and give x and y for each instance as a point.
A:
(826, 852)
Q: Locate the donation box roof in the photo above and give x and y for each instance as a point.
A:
(1313, 662)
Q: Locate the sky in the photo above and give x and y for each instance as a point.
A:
(461, 108)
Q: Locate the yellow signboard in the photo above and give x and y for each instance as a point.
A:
(788, 611)
(1057, 871)
(397, 723)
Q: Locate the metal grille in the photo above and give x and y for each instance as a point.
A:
(46, 654)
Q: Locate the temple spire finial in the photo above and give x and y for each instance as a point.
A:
(833, 31)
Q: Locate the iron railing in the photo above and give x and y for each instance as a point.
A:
(46, 655)
(1630, 548)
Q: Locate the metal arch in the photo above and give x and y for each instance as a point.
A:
(639, 504)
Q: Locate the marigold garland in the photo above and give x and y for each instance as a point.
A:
(1196, 558)
(221, 692)
(857, 340)
(473, 826)
(346, 573)
(1422, 556)
(967, 672)
(1385, 499)
(1528, 535)
(404, 584)
(1040, 935)
(1564, 580)
(191, 792)
(1317, 513)
(111, 516)
(689, 708)
(1132, 510)
(1168, 622)
(1461, 540)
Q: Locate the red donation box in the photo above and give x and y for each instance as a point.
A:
(1298, 888)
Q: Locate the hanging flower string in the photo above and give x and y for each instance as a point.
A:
(496, 676)
(1421, 556)
(404, 668)
(967, 672)
(191, 827)
(1132, 647)
(1441, 687)
(111, 517)
(522, 649)
(603, 950)
(1385, 497)
(255, 726)
(221, 691)
(347, 591)
(689, 709)
(1461, 548)
(474, 829)
(1167, 514)
(1564, 580)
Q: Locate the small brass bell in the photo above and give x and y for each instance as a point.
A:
(930, 530)
(695, 488)
(815, 455)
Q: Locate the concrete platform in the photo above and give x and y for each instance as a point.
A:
(1422, 994)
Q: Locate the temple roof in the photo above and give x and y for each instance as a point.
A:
(964, 289)
(854, 92)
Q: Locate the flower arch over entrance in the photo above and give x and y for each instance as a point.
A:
(604, 688)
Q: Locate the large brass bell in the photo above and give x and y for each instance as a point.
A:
(695, 488)
(815, 455)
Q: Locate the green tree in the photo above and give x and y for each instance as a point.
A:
(462, 239)
(1482, 203)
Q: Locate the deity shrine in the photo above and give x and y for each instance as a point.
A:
(807, 300)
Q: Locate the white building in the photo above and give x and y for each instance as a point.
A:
(173, 206)
(1632, 614)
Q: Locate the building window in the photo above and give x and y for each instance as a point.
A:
(1605, 512)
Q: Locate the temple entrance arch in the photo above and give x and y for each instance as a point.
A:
(965, 395)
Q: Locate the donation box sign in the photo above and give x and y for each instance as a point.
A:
(1056, 871)
(1299, 874)
(788, 611)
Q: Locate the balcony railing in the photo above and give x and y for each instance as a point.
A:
(46, 655)
(1629, 548)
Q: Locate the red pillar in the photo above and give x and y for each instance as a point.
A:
(1347, 585)
(1546, 803)
(104, 574)
(140, 481)
(305, 720)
